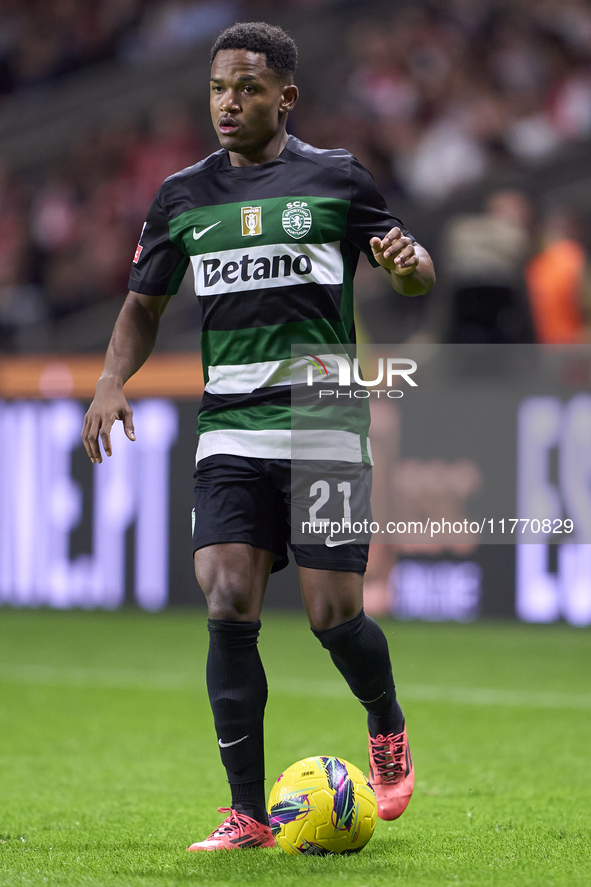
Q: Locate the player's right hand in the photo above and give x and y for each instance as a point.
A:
(109, 404)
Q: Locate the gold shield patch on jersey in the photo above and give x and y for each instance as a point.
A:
(252, 221)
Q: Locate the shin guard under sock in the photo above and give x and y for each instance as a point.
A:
(359, 650)
(237, 689)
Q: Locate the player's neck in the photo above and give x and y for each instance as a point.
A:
(266, 154)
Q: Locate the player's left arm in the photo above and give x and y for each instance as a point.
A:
(410, 265)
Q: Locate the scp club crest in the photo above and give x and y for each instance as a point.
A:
(296, 219)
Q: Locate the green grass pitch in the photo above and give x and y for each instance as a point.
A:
(109, 767)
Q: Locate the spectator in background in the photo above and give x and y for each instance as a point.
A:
(432, 96)
(83, 220)
(172, 143)
(558, 282)
(173, 26)
(40, 41)
(21, 302)
(483, 256)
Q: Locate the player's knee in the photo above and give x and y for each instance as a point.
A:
(233, 585)
(229, 595)
(226, 608)
(329, 614)
(228, 601)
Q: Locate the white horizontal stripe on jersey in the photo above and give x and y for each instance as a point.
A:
(243, 378)
(340, 446)
(260, 267)
(246, 377)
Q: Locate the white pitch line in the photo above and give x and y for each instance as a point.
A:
(136, 679)
(515, 698)
(485, 696)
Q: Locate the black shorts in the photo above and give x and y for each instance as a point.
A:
(239, 499)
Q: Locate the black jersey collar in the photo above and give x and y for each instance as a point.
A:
(281, 158)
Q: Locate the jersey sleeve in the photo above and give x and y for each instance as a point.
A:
(369, 215)
(158, 265)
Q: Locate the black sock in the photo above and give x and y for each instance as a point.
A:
(249, 798)
(237, 689)
(359, 650)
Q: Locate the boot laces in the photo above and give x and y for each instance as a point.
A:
(388, 756)
(234, 822)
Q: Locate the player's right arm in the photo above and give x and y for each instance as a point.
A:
(132, 341)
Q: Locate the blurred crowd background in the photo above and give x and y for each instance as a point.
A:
(474, 117)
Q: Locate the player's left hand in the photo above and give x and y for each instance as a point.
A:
(395, 252)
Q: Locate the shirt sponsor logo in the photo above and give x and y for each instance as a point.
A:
(296, 219)
(261, 268)
(267, 266)
(252, 221)
(138, 253)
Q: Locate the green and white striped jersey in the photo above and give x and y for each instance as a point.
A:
(274, 249)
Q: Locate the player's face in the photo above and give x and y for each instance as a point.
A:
(249, 104)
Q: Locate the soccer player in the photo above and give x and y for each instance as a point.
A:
(273, 228)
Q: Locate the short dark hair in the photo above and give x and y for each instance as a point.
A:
(280, 51)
